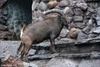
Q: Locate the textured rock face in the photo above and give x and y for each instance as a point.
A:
(57, 62)
(73, 33)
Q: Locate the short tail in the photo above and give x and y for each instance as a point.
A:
(22, 30)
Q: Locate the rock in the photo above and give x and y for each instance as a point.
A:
(81, 36)
(98, 20)
(89, 63)
(82, 5)
(9, 47)
(73, 33)
(31, 52)
(95, 54)
(42, 6)
(78, 12)
(60, 62)
(68, 11)
(64, 33)
(73, 3)
(63, 3)
(89, 26)
(91, 9)
(29, 64)
(52, 4)
(97, 30)
(43, 51)
(98, 10)
(78, 18)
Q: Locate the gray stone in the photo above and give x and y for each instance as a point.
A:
(90, 63)
(97, 30)
(68, 11)
(98, 11)
(64, 33)
(81, 37)
(33, 65)
(63, 3)
(31, 52)
(98, 20)
(41, 63)
(78, 12)
(44, 56)
(95, 54)
(82, 5)
(43, 51)
(59, 62)
(91, 9)
(9, 47)
(78, 18)
(42, 6)
(89, 26)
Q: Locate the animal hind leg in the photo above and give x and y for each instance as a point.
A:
(52, 41)
(25, 51)
(19, 50)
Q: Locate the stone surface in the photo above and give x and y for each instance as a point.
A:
(59, 62)
(42, 6)
(98, 20)
(63, 62)
(97, 30)
(81, 36)
(89, 63)
(63, 3)
(82, 5)
(64, 33)
(68, 12)
(78, 18)
(8, 47)
(98, 10)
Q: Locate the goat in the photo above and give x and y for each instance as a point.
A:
(49, 28)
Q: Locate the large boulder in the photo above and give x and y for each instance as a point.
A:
(52, 4)
(73, 33)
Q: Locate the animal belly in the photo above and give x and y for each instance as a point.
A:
(40, 39)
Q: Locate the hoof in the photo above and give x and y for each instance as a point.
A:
(53, 51)
(17, 56)
(25, 60)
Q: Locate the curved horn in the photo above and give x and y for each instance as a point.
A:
(60, 12)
